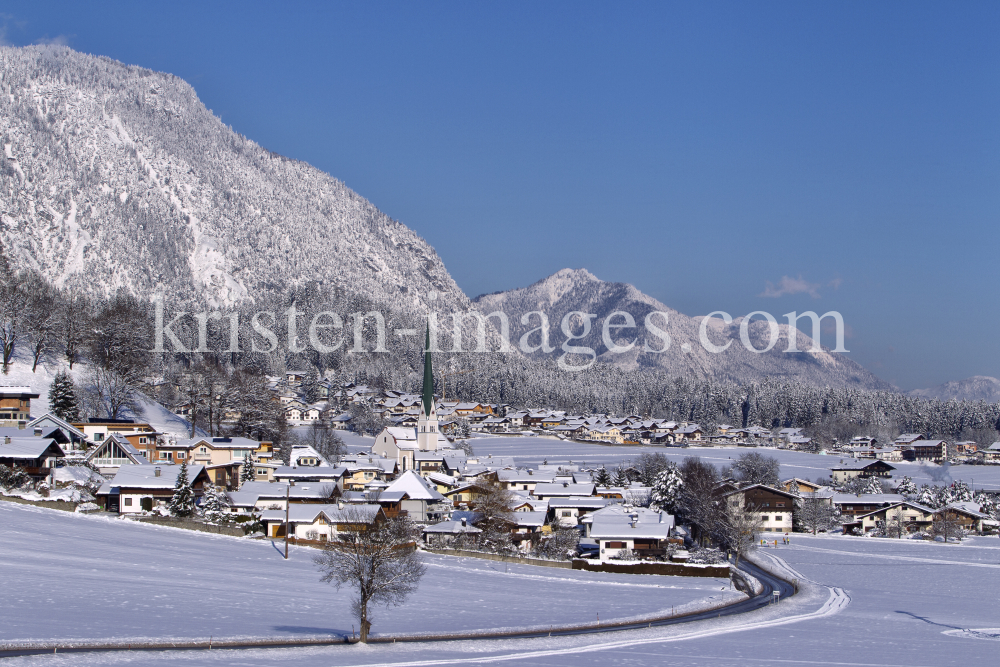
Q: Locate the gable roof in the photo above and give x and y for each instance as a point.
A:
(414, 487)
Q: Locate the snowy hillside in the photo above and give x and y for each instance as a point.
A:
(976, 388)
(115, 176)
(578, 290)
(20, 375)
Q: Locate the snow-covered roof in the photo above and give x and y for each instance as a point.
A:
(29, 448)
(145, 477)
(580, 503)
(451, 528)
(866, 498)
(414, 487)
(563, 489)
(345, 513)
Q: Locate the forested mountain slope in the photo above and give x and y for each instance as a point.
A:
(115, 176)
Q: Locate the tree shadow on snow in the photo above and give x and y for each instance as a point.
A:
(927, 620)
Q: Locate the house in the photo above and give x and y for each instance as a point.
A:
(992, 453)
(911, 516)
(772, 506)
(97, 429)
(15, 405)
(848, 471)
(139, 488)
(222, 457)
(320, 523)
(568, 512)
(447, 533)
(852, 505)
(465, 494)
(75, 438)
(363, 470)
(113, 453)
(797, 485)
(926, 450)
(523, 480)
(641, 531)
(412, 495)
(967, 515)
(35, 456)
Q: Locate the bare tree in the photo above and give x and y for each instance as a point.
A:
(494, 515)
(327, 443)
(72, 321)
(697, 503)
(816, 514)
(12, 305)
(946, 524)
(109, 393)
(374, 556)
(756, 468)
(737, 527)
(40, 317)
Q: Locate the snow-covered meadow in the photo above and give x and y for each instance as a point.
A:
(907, 604)
(69, 576)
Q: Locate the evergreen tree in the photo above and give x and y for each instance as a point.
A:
(621, 477)
(182, 502)
(872, 485)
(62, 398)
(960, 492)
(247, 471)
(216, 505)
(907, 487)
(667, 489)
(927, 496)
(603, 477)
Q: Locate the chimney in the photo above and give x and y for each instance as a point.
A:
(565, 484)
(21, 425)
(340, 504)
(463, 522)
(6, 440)
(38, 432)
(156, 471)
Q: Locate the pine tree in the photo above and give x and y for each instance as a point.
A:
(247, 470)
(872, 485)
(182, 502)
(667, 489)
(603, 477)
(62, 398)
(927, 496)
(621, 477)
(960, 492)
(906, 486)
(216, 504)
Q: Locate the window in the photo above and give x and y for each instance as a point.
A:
(98, 437)
(181, 455)
(765, 519)
(567, 513)
(142, 440)
(128, 502)
(779, 504)
(777, 517)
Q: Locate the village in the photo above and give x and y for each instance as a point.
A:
(422, 466)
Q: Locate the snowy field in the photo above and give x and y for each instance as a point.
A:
(69, 576)
(531, 451)
(911, 604)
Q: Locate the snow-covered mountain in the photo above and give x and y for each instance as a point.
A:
(115, 176)
(975, 388)
(578, 290)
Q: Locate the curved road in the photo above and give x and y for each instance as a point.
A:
(769, 582)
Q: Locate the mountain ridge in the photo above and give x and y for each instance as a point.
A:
(571, 290)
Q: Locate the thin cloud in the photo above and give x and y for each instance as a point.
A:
(58, 40)
(787, 286)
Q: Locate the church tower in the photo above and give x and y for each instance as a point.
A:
(427, 424)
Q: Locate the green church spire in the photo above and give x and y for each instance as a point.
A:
(428, 392)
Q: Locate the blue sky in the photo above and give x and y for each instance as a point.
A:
(845, 153)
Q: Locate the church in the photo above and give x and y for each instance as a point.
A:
(406, 444)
